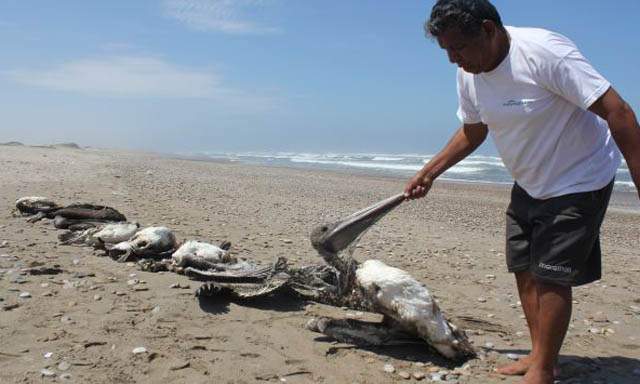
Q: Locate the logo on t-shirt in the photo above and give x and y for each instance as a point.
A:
(515, 103)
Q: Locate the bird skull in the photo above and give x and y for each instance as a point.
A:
(152, 240)
(146, 243)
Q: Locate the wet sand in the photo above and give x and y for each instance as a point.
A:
(83, 324)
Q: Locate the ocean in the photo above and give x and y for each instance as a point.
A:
(474, 169)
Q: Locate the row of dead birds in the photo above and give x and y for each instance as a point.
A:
(410, 312)
(156, 249)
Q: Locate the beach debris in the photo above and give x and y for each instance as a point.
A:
(44, 270)
(18, 279)
(139, 350)
(47, 373)
(600, 317)
(404, 375)
(152, 242)
(389, 368)
(178, 365)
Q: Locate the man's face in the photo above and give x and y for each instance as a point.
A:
(472, 54)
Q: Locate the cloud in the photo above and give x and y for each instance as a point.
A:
(227, 16)
(129, 76)
(145, 77)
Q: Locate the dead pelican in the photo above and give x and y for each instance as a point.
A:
(152, 242)
(244, 280)
(390, 291)
(102, 236)
(31, 205)
(84, 213)
(202, 255)
(74, 216)
(114, 234)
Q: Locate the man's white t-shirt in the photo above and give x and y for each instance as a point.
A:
(535, 105)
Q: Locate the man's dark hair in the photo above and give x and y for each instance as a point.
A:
(467, 15)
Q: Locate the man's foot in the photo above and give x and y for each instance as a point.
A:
(517, 368)
(521, 367)
(538, 376)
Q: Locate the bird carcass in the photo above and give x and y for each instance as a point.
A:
(405, 302)
(100, 237)
(201, 255)
(152, 242)
(77, 217)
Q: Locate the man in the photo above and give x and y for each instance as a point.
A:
(554, 120)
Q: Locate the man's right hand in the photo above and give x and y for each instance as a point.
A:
(418, 186)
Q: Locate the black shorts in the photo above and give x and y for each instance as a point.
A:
(557, 239)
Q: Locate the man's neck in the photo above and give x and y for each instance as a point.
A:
(503, 46)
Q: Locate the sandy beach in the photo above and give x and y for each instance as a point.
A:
(82, 325)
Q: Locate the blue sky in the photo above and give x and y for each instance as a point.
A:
(260, 75)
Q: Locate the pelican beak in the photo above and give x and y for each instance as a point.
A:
(338, 236)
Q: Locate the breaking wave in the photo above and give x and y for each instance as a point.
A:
(477, 168)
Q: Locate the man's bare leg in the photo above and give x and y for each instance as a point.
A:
(528, 292)
(554, 314)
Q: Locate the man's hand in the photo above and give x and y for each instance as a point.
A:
(418, 186)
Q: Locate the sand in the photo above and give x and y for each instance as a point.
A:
(83, 324)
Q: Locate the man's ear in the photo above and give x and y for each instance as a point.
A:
(489, 28)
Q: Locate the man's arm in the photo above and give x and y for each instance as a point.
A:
(624, 128)
(462, 144)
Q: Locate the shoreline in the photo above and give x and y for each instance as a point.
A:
(624, 202)
(621, 201)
